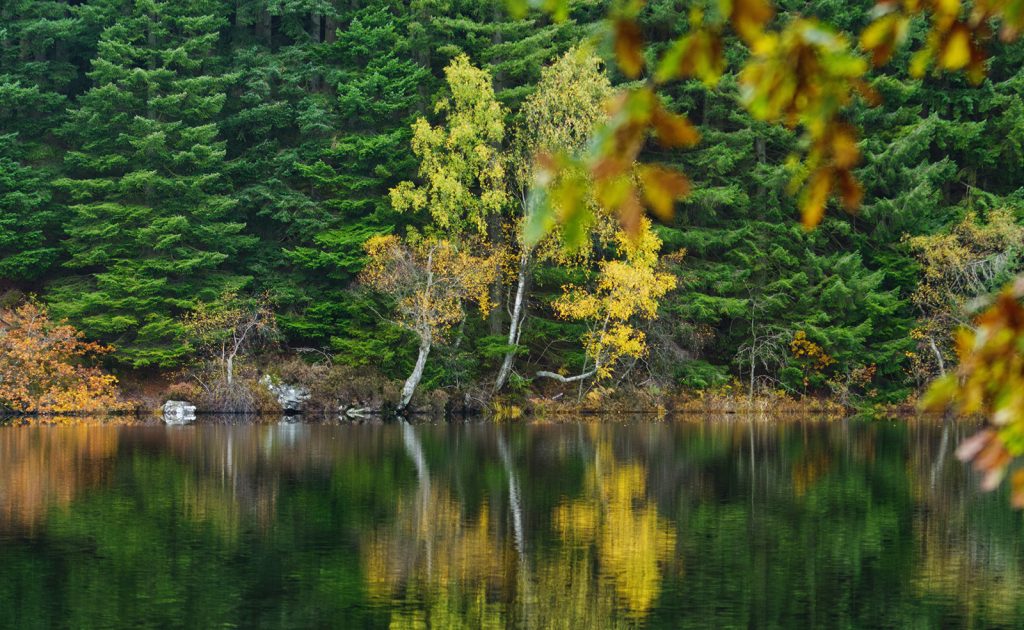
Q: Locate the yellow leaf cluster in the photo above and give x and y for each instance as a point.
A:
(957, 37)
(42, 366)
(462, 169)
(627, 291)
(803, 74)
(430, 279)
(815, 356)
(956, 266)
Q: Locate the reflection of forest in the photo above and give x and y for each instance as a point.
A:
(44, 467)
(601, 525)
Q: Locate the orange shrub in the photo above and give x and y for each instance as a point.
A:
(42, 367)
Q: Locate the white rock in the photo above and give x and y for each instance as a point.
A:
(179, 412)
(291, 397)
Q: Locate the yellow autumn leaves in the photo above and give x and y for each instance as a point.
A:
(476, 192)
(44, 366)
(957, 37)
(627, 291)
(430, 279)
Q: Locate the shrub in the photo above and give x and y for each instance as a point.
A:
(702, 375)
(44, 366)
(182, 390)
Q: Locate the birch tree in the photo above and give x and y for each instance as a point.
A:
(558, 117)
(228, 328)
(462, 170)
(431, 280)
(626, 293)
(971, 260)
(462, 188)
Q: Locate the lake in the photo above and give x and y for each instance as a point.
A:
(681, 523)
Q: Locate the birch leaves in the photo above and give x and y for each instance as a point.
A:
(957, 37)
(627, 291)
(430, 280)
(461, 167)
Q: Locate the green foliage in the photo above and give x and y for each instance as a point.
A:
(702, 375)
(151, 228)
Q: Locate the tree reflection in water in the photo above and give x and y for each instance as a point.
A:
(608, 524)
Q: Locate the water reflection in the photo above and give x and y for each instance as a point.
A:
(674, 524)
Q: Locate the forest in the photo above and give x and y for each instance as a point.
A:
(197, 194)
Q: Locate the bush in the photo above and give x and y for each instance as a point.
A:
(182, 390)
(44, 366)
(245, 394)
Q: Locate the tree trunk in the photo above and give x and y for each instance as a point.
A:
(263, 29)
(417, 373)
(938, 356)
(231, 370)
(316, 34)
(331, 25)
(516, 325)
(566, 379)
(752, 366)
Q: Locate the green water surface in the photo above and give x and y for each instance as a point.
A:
(674, 524)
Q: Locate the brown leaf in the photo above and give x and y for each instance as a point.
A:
(815, 197)
(673, 130)
(749, 17)
(630, 213)
(608, 167)
(662, 187)
(970, 447)
(850, 190)
(1017, 493)
(629, 46)
(992, 458)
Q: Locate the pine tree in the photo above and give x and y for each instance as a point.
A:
(152, 229)
(513, 50)
(751, 277)
(317, 124)
(28, 218)
(36, 71)
(375, 82)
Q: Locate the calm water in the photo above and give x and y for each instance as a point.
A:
(678, 524)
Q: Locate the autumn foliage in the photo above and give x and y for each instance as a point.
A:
(43, 366)
(627, 293)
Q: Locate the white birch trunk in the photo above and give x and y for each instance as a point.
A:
(417, 373)
(566, 379)
(515, 326)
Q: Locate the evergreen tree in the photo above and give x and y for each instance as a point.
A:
(751, 277)
(375, 82)
(28, 218)
(152, 229)
(318, 130)
(513, 50)
(36, 72)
